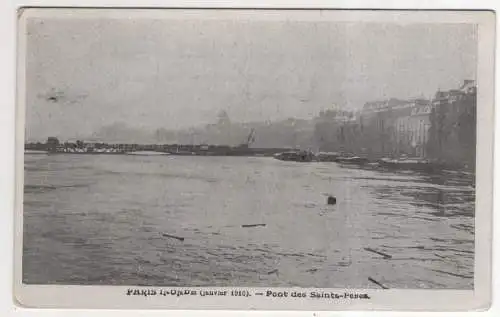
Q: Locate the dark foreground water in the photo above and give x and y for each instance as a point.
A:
(91, 219)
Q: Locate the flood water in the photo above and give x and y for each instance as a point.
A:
(97, 219)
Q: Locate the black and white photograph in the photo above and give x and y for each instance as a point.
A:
(206, 151)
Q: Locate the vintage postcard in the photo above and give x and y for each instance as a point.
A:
(254, 159)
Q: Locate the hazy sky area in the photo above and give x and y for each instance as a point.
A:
(86, 74)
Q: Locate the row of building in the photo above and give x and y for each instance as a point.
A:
(443, 128)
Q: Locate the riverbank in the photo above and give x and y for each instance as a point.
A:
(407, 164)
(417, 165)
(403, 163)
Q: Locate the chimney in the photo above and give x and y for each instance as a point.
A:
(467, 82)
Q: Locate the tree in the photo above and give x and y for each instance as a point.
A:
(52, 140)
(52, 143)
(79, 144)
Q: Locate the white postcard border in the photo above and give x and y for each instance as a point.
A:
(114, 296)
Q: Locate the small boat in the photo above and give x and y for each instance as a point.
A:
(295, 156)
(373, 164)
(352, 160)
(406, 163)
(327, 156)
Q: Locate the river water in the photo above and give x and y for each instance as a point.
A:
(97, 219)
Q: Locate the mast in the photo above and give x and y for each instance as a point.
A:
(251, 137)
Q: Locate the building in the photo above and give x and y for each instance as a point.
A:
(396, 127)
(419, 127)
(452, 135)
(468, 87)
(336, 130)
(443, 128)
(412, 128)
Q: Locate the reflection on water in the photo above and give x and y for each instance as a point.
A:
(229, 221)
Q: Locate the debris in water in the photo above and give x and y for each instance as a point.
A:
(273, 271)
(378, 283)
(312, 270)
(331, 200)
(453, 274)
(172, 236)
(309, 205)
(254, 225)
(385, 255)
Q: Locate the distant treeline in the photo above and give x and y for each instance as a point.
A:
(54, 145)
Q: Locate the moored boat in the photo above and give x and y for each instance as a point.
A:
(296, 156)
(327, 156)
(406, 163)
(352, 160)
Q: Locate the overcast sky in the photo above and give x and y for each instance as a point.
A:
(85, 74)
